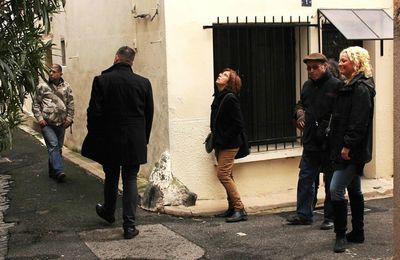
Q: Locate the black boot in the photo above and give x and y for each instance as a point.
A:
(340, 244)
(340, 223)
(228, 213)
(357, 219)
(237, 216)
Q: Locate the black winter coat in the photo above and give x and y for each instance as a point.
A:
(352, 122)
(119, 117)
(229, 123)
(317, 99)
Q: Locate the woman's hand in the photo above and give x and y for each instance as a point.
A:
(345, 153)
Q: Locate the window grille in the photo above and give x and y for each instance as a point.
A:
(264, 54)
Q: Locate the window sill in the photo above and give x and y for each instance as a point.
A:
(271, 155)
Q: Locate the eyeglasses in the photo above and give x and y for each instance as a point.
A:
(313, 67)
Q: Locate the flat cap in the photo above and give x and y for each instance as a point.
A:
(315, 57)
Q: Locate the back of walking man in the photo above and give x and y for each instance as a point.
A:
(53, 107)
(119, 119)
(313, 116)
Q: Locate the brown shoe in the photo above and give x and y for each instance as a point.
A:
(61, 177)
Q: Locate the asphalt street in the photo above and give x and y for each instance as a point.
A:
(50, 220)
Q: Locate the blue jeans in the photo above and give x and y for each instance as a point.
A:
(54, 138)
(129, 193)
(346, 178)
(311, 165)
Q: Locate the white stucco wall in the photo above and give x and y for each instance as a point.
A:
(381, 165)
(176, 54)
(190, 87)
(93, 33)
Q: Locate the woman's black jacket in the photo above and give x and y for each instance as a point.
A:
(352, 122)
(229, 123)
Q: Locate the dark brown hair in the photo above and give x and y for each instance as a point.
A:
(234, 82)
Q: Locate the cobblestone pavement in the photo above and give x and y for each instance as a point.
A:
(4, 204)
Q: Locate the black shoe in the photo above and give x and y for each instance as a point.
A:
(60, 177)
(326, 224)
(130, 232)
(297, 220)
(340, 244)
(355, 237)
(228, 213)
(101, 212)
(237, 216)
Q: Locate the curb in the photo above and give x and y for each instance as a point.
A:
(271, 203)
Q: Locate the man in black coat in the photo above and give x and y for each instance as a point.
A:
(313, 114)
(119, 120)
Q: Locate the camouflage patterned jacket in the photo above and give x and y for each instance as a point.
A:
(54, 104)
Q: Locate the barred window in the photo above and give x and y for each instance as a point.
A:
(265, 58)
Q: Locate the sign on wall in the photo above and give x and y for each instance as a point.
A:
(305, 2)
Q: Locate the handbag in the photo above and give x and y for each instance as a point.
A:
(244, 148)
(209, 142)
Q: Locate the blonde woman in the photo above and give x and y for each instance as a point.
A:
(227, 124)
(351, 143)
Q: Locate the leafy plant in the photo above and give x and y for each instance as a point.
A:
(23, 23)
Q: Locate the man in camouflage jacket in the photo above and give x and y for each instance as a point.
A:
(53, 107)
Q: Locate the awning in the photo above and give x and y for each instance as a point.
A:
(361, 24)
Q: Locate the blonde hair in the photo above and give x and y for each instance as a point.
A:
(360, 59)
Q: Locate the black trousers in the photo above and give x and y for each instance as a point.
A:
(129, 194)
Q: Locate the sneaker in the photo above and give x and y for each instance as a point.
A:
(297, 220)
(326, 224)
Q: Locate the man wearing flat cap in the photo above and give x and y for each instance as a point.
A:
(313, 115)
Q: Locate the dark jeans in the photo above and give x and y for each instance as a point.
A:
(311, 164)
(328, 208)
(129, 194)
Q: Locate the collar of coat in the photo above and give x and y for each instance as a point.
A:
(360, 77)
(54, 84)
(118, 66)
(327, 75)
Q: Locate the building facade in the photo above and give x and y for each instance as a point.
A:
(182, 45)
